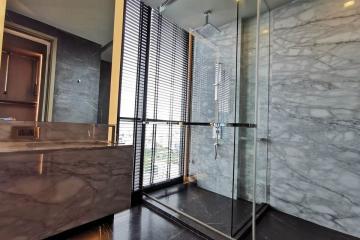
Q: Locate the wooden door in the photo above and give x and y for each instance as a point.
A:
(20, 77)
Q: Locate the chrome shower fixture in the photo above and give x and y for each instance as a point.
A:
(207, 29)
(217, 126)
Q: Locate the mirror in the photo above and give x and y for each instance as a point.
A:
(56, 60)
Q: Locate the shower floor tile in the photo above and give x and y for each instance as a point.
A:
(276, 225)
(210, 208)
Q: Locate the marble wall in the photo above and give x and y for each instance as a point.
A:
(315, 112)
(77, 58)
(218, 47)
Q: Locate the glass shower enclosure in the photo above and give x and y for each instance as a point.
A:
(221, 132)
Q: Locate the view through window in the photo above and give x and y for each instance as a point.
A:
(153, 94)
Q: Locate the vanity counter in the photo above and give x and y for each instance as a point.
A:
(56, 187)
(16, 147)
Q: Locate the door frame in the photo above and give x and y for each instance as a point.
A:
(38, 72)
(47, 91)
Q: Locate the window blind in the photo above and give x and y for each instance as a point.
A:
(133, 83)
(153, 94)
(166, 100)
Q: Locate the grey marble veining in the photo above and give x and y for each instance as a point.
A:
(45, 193)
(212, 174)
(315, 113)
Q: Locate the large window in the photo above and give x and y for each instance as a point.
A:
(153, 94)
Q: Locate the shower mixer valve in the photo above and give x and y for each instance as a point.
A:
(217, 130)
(217, 135)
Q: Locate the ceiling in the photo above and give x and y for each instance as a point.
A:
(90, 19)
(189, 13)
(93, 19)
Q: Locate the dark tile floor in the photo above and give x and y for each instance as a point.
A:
(208, 207)
(138, 223)
(276, 225)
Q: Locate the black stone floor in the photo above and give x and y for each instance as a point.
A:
(275, 225)
(138, 223)
(213, 209)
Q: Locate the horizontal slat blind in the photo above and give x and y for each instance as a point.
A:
(153, 87)
(130, 58)
(166, 100)
(133, 82)
(167, 78)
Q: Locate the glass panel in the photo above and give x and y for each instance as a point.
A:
(209, 193)
(211, 162)
(254, 97)
(214, 73)
(212, 168)
(263, 106)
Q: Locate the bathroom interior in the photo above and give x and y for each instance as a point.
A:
(180, 119)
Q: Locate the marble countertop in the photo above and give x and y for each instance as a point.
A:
(51, 187)
(14, 147)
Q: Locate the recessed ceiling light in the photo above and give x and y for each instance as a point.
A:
(349, 3)
(265, 31)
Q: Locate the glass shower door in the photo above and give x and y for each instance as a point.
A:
(211, 191)
(252, 177)
(214, 101)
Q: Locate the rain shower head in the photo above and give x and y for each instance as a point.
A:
(207, 29)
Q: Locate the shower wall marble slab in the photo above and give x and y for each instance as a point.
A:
(315, 113)
(214, 174)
